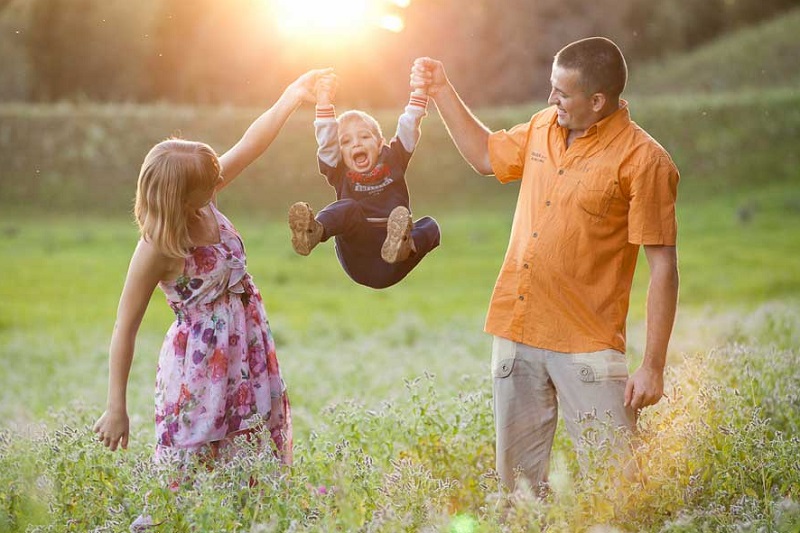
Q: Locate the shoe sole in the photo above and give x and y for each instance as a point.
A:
(396, 247)
(301, 222)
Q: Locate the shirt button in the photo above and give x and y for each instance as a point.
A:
(535, 234)
(521, 297)
(560, 171)
(525, 266)
(547, 203)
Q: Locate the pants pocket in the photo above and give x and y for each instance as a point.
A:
(503, 355)
(605, 365)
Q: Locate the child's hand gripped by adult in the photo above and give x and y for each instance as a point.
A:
(304, 88)
(326, 89)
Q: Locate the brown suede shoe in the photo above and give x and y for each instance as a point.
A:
(398, 244)
(306, 231)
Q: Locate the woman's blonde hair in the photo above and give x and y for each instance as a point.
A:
(171, 170)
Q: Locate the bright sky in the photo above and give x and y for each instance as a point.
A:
(323, 19)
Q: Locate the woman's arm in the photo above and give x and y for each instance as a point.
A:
(265, 128)
(147, 268)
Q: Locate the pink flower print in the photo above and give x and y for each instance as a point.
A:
(184, 397)
(165, 439)
(179, 343)
(244, 399)
(204, 259)
(218, 365)
(256, 360)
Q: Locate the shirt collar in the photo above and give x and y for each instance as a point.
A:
(612, 125)
(606, 129)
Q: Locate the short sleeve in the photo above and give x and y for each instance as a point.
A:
(653, 193)
(507, 150)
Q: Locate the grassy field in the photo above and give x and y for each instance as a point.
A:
(390, 393)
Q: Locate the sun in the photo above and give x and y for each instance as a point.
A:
(336, 18)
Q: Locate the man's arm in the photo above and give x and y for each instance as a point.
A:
(469, 134)
(646, 385)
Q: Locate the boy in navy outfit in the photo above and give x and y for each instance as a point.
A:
(376, 241)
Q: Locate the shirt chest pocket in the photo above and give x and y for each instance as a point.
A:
(594, 194)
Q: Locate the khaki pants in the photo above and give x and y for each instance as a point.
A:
(529, 386)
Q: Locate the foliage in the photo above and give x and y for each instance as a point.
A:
(711, 457)
(203, 52)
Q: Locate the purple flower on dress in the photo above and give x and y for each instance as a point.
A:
(209, 337)
(198, 356)
(233, 340)
(195, 284)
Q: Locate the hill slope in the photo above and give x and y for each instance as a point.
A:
(764, 56)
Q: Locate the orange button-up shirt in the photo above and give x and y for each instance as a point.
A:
(581, 215)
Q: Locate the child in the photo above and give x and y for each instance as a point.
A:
(376, 242)
(217, 371)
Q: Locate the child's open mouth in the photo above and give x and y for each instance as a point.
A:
(360, 160)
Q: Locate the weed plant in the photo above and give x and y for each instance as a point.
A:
(719, 453)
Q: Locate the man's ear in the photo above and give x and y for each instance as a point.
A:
(598, 102)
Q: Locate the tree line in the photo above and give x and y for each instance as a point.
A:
(211, 52)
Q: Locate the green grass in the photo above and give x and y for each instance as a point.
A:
(390, 394)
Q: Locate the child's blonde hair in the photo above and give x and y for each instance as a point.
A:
(171, 170)
(355, 115)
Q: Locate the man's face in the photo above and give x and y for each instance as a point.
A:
(574, 106)
(360, 146)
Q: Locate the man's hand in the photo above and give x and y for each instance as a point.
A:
(326, 89)
(644, 388)
(429, 75)
(112, 429)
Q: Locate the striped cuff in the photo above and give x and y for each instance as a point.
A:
(418, 100)
(327, 111)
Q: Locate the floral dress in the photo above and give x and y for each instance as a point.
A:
(217, 368)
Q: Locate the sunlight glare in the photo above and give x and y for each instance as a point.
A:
(321, 15)
(392, 23)
(336, 18)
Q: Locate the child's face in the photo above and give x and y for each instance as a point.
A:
(360, 146)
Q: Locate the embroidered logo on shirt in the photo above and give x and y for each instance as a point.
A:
(373, 188)
(538, 157)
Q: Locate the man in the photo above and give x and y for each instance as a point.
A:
(594, 187)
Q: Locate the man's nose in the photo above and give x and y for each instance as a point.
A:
(552, 100)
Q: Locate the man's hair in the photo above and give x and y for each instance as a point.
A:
(355, 115)
(171, 170)
(600, 63)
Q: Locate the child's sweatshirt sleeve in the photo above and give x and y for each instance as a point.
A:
(408, 125)
(327, 132)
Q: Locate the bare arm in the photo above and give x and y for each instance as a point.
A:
(469, 134)
(146, 269)
(265, 129)
(646, 385)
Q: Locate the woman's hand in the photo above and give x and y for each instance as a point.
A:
(112, 429)
(303, 89)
